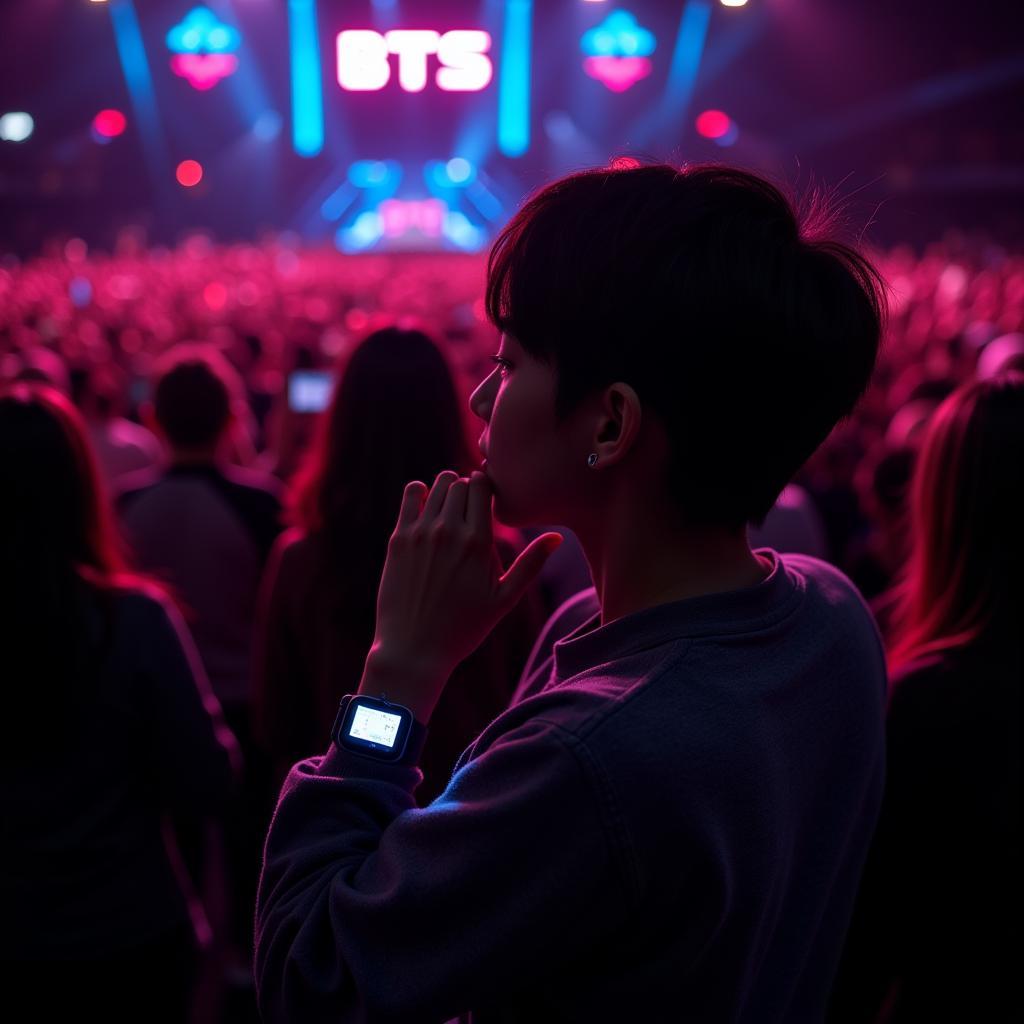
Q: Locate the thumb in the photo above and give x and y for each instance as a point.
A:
(526, 568)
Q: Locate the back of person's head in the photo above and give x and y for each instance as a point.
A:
(396, 415)
(54, 519)
(194, 393)
(58, 546)
(964, 579)
(883, 480)
(99, 390)
(1003, 353)
(908, 424)
(744, 327)
(44, 366)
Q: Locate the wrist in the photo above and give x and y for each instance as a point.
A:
(414, 683)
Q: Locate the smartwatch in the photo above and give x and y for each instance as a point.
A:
(376, 728)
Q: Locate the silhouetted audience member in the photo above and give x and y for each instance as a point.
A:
(109, 724)
(936, 933)
(1003, 353)
(207, 527)
(793, 524)
(876, 556)
(671, 820)
(45, 366)
(121, 446)
(396, 415)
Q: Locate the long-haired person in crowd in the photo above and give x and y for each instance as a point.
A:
(395, 415)
(670, 820)
(936, 935)
(108, 722)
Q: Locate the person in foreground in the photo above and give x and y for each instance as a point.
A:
(99, 673)
(670, 819)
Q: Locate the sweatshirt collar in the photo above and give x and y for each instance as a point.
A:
(729, 612)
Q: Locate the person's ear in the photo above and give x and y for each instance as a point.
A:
(623, 416)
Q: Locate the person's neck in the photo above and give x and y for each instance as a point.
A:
(639, 564)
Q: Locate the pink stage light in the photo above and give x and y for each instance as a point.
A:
(617, 73)
(189, 173)
(109, 123)
(363, 59)
(401, 215)
(713, 124)
(204, 70)
(204, 48)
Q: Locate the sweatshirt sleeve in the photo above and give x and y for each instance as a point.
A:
(196, 757)
(371, 909)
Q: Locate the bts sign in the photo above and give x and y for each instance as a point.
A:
(364, 59)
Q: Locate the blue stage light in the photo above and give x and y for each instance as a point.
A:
(307, 97)
(460, 171)
(461, 232)
(80, 292)
(370, 173)
(135, 65)
(489, 205)
(338, 202)
(267, 126)
(514, 87)
(364, 232)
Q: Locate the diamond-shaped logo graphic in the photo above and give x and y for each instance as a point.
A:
(617, 51)
(203, 48)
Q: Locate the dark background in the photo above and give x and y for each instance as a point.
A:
(912, 109)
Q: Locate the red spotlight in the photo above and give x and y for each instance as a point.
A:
(189, 173)
(713, 124)
(109, 123)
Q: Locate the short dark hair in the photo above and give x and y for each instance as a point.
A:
(192, 395)
(742, 325)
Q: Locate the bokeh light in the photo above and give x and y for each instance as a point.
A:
(460, 170)
(16, 126)
(109, 123)
(713, 124)
(215, 295)
(189, 173)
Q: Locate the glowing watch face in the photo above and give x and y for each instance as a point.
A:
(375, 726)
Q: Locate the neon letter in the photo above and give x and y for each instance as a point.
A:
(412, 47)
(466, 69)
(362, 60)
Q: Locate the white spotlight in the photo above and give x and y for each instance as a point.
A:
(16, 126)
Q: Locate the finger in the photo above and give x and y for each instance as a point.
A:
(454, 510)
(435, 500)
(412, 502)
(478, 506)
(526, 568)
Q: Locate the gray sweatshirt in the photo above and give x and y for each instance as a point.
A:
(668, 823)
